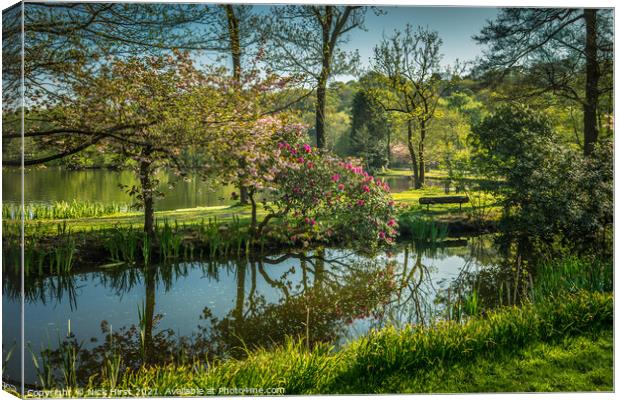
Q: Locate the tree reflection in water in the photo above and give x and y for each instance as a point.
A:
(323, 296)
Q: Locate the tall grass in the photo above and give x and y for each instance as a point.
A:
(62, 210)
(422, 229)
(571, 274)
(365, 364)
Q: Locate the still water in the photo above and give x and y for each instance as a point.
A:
(99, 185)
(207, 309)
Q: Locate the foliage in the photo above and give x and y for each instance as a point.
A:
(567, 52)
(409, 64)
(322, 194)
(369, 131)
(548, 189)
(306, 40)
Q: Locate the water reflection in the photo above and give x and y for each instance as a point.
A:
(101, 185)
(204, 310)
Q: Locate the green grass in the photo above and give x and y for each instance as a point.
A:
(433, 174)
(408, 201)
(481, 204)
(62, 210)
(573, 364)
(421, 359)
(189, 216)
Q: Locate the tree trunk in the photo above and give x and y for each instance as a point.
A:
(590, 128)
(421, 154)
(254, 222)
(147, 191)
(321, 92)
(235, 45)
(414, 160)
(389, 150)
(235, 53)
(321, 89)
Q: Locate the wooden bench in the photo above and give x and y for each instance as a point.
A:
(444, 200)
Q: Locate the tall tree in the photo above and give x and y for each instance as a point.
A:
(307, 40)
(59, 36)
(567, 51)
(235, 30)
(410, 64)
(369, 131)
(148, 110)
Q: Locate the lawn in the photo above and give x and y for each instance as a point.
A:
(573, 364)
(481, 205)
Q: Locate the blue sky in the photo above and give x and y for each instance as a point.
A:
(455, 25)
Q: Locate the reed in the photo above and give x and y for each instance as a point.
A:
(571, 274)
(62, 210)
(422, 229)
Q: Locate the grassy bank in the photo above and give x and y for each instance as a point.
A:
(573, 364)
(554, 333)
(481, 205)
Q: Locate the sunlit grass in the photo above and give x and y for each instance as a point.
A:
(375, 362)
(573, 364)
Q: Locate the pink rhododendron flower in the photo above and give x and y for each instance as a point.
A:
(336, 177)
(307, 148)
(382, 235)
(310, 165)
(361, 202)
(365, 188)
(391, 222)
(341, 186)
(300, 160)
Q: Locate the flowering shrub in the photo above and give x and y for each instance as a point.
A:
(323, 195)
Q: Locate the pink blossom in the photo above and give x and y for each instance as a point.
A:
(335, 177)
(361, 202)
(310, 165)
(341, 186)
(300, 160)
(382, 235)
(365, 188)
(391, 222)
(307, 148)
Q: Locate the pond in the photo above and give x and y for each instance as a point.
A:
(205, 309)
(51, 184)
